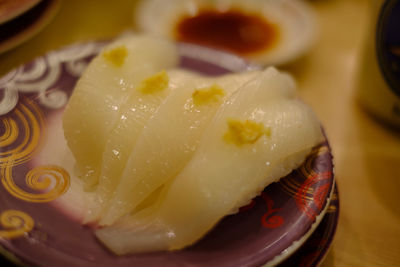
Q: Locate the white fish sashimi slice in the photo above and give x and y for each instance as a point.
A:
(168, 141)
(222, 176)
(106, 84)
(122, 139)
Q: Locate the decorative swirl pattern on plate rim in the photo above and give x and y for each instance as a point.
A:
(42, 74)
(22, 132)
(40, 179)
(16, 224)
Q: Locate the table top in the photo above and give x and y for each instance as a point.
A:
(367, 154)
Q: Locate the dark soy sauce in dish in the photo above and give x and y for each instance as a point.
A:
(232, 30)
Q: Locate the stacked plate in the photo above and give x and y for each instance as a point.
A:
(22, 19)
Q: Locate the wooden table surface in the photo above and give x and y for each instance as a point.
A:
(367, 155)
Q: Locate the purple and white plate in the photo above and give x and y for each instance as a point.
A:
(36, 230)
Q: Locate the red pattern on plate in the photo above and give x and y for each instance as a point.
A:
(318, 196)
(269, 220)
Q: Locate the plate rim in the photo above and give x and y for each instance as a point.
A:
(297, 244)
(48, 13)
(18, 11)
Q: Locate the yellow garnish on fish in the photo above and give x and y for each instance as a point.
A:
(245, 132)
(154, 83)
(116, 56)
(208, 95)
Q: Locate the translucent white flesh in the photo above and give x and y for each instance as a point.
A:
(138, 109)
(99, 96)
(221, 177)
(122, 139)
(169, 140)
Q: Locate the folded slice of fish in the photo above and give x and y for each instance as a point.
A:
(99, 98)
(259, 134)
(170, 137)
